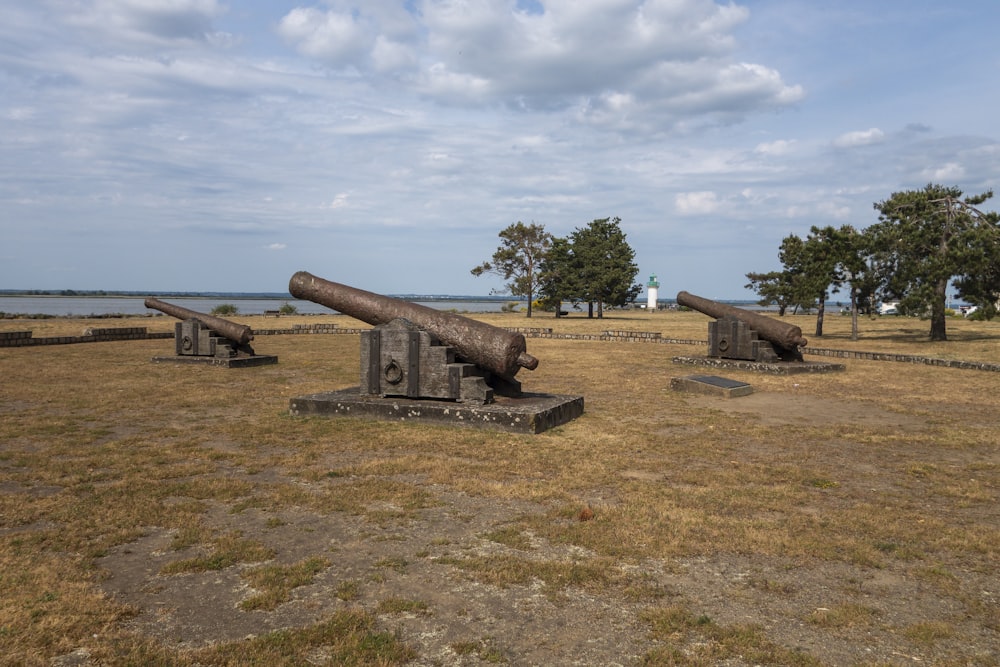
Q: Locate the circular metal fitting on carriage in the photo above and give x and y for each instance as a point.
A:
(392, 373)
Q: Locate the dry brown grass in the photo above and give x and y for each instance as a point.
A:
(835, 506)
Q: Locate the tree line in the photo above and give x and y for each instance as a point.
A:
(923, 241)
(593, 265)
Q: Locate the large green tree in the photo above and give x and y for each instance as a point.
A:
(823, 262)
(926, 238)
(559, 276)
(775, 288)
(519, 258)
(605, 265)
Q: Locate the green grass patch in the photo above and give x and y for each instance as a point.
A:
(226, 551)
(275, 583)
(402, 606)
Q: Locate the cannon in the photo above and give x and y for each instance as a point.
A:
(205, 335)
(737, 333)
(497, 352)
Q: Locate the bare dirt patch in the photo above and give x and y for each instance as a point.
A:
(391, 560)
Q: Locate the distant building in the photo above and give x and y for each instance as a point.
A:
(889, 308)
(652, 292)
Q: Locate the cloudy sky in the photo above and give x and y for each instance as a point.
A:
(225, 144)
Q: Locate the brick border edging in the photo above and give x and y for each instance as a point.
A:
(646, 337)
(25, 339)
(903, 358)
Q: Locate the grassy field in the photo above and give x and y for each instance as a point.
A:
(177, 515)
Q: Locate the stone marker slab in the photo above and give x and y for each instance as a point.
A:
(225, 362)
(711, 384)
(773, 368)
(529, 413)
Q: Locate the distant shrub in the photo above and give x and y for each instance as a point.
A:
(224, 309)
(288, 309)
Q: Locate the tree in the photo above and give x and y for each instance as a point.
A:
(225, 309)
(980, 286)
(804, 279)
(604, 263)
(518, 259)
(858, 272)
(558, 279)
(983, 291)
(775, 288)
(815, 262)
(823, 262)
(924, 239)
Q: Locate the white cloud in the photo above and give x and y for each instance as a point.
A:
(636, 64)
(859, 138)
(391, 56)
(833, 209)
(779, 147)
(153, 22)
(696, 203)
(276, 246)
(339, 201)
(946, 173)
(336, 39)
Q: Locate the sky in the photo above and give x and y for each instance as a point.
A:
(223, 145)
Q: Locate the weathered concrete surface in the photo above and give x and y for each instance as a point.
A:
(774, 368)
(712, 385)
(529, 413)
(226, 362)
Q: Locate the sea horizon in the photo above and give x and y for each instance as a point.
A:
(105, 303)
(412, 296)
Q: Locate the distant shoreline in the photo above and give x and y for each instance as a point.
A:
(278, 296)
(32, 304)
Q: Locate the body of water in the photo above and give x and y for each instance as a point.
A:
(84, 306)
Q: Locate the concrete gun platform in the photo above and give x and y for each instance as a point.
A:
(225, 362)
(773, 368)
(528, 413)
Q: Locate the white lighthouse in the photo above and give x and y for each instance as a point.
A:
(652, 292)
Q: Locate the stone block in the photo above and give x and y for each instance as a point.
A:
(712, 385)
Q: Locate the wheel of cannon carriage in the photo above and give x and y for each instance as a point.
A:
(187, 344)
(723, 344)
(392, 372)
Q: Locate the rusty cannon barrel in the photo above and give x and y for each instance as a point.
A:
(240, 334)
(491, 348)
(779, 333)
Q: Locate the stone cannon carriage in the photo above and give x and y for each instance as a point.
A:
(419, 352)
(201, 335)
(738, 333)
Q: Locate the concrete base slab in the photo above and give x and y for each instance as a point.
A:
(776, 368)
(528, 413)
(711, 384)
(226, 362)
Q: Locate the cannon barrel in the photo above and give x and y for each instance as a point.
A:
(786, 335)
(491, 348)
(238, 333)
